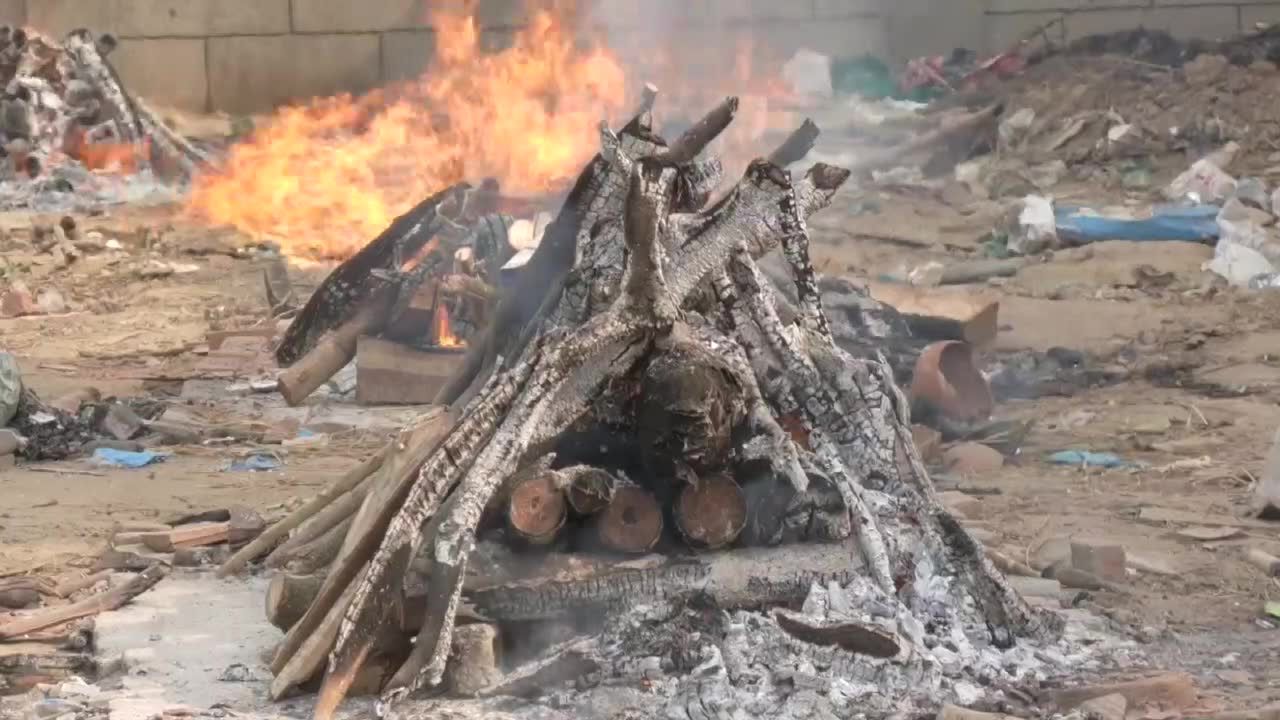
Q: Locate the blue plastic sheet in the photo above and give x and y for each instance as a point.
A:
(1193, 223)
(1084, 458)
(255, 463)
(127, 459)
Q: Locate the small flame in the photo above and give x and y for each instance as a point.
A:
(444, 332)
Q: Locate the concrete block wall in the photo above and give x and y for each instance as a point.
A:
(250, 55)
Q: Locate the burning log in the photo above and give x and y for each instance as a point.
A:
(333, 351)
(644, 315)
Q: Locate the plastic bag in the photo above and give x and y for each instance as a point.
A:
(1203, 182)
(1036, 227)
(10, 388)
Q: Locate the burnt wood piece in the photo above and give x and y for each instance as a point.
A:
(353, 282)
(537, 508)
(711, 512)
(633, 521)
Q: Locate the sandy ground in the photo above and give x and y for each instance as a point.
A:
(1203, 441)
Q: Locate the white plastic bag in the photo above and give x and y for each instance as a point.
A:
(809, 73)
(1036, 229)
(1203, 182)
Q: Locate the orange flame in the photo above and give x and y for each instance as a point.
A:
(326, 178)
(444, 336)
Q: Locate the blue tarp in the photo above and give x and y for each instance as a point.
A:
(1194, 223)
(127, 459)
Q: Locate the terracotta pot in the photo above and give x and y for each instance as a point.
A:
(947, 378)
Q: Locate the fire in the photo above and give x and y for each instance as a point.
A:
(325, 178)
(444, 336)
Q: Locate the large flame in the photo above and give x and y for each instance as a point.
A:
(325, 178)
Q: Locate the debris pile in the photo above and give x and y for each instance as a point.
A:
(71, 134)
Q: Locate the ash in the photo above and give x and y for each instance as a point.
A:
(69, 187)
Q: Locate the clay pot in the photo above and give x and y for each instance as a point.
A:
(947, 378)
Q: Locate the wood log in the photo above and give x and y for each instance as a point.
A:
(288, 597)
(1266, 562)
(712, 512)
(322, 522)
(473, 661)
(306, 646)
(633, 521)
(590, 489)
(334, 491)
(317, 554)
(69, 586)
(537, 508)
(194, 535)
(797, 145)
(948, 129)
(19, 598)
(334, 350)
(112, 599)
(563, 586)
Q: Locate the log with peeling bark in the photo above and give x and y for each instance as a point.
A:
(111, 599)
(638, 291)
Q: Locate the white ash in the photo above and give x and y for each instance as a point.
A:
(69, 187)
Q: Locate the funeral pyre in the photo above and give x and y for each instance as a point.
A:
(653, 468)
(72, 135)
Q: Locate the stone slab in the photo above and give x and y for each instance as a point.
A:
(253, 74)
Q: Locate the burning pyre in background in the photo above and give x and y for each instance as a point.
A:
(322, 179)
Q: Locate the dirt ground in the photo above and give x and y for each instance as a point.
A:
(1202, 438)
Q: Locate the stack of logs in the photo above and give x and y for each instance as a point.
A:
(65, 102)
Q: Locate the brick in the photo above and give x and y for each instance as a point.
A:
(326, 16)
(162, 18)
(1105, 561)
(388, 373)
(251, 74)
(183, 84)
(406, 54)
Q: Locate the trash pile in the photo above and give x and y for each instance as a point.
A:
(72, 136)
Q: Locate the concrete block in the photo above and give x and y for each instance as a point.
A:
(1251, 15)
(651, 16)
(502, 13)
(323, 16)
(838, 38)
(1003, 31)
(920, 27)
(13, 12)
(1102, 560)
(406, 54)
(162, 18)
(1003, 6)
(1182, 22)
(251, 74)
(183, 82)
(824, 9)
